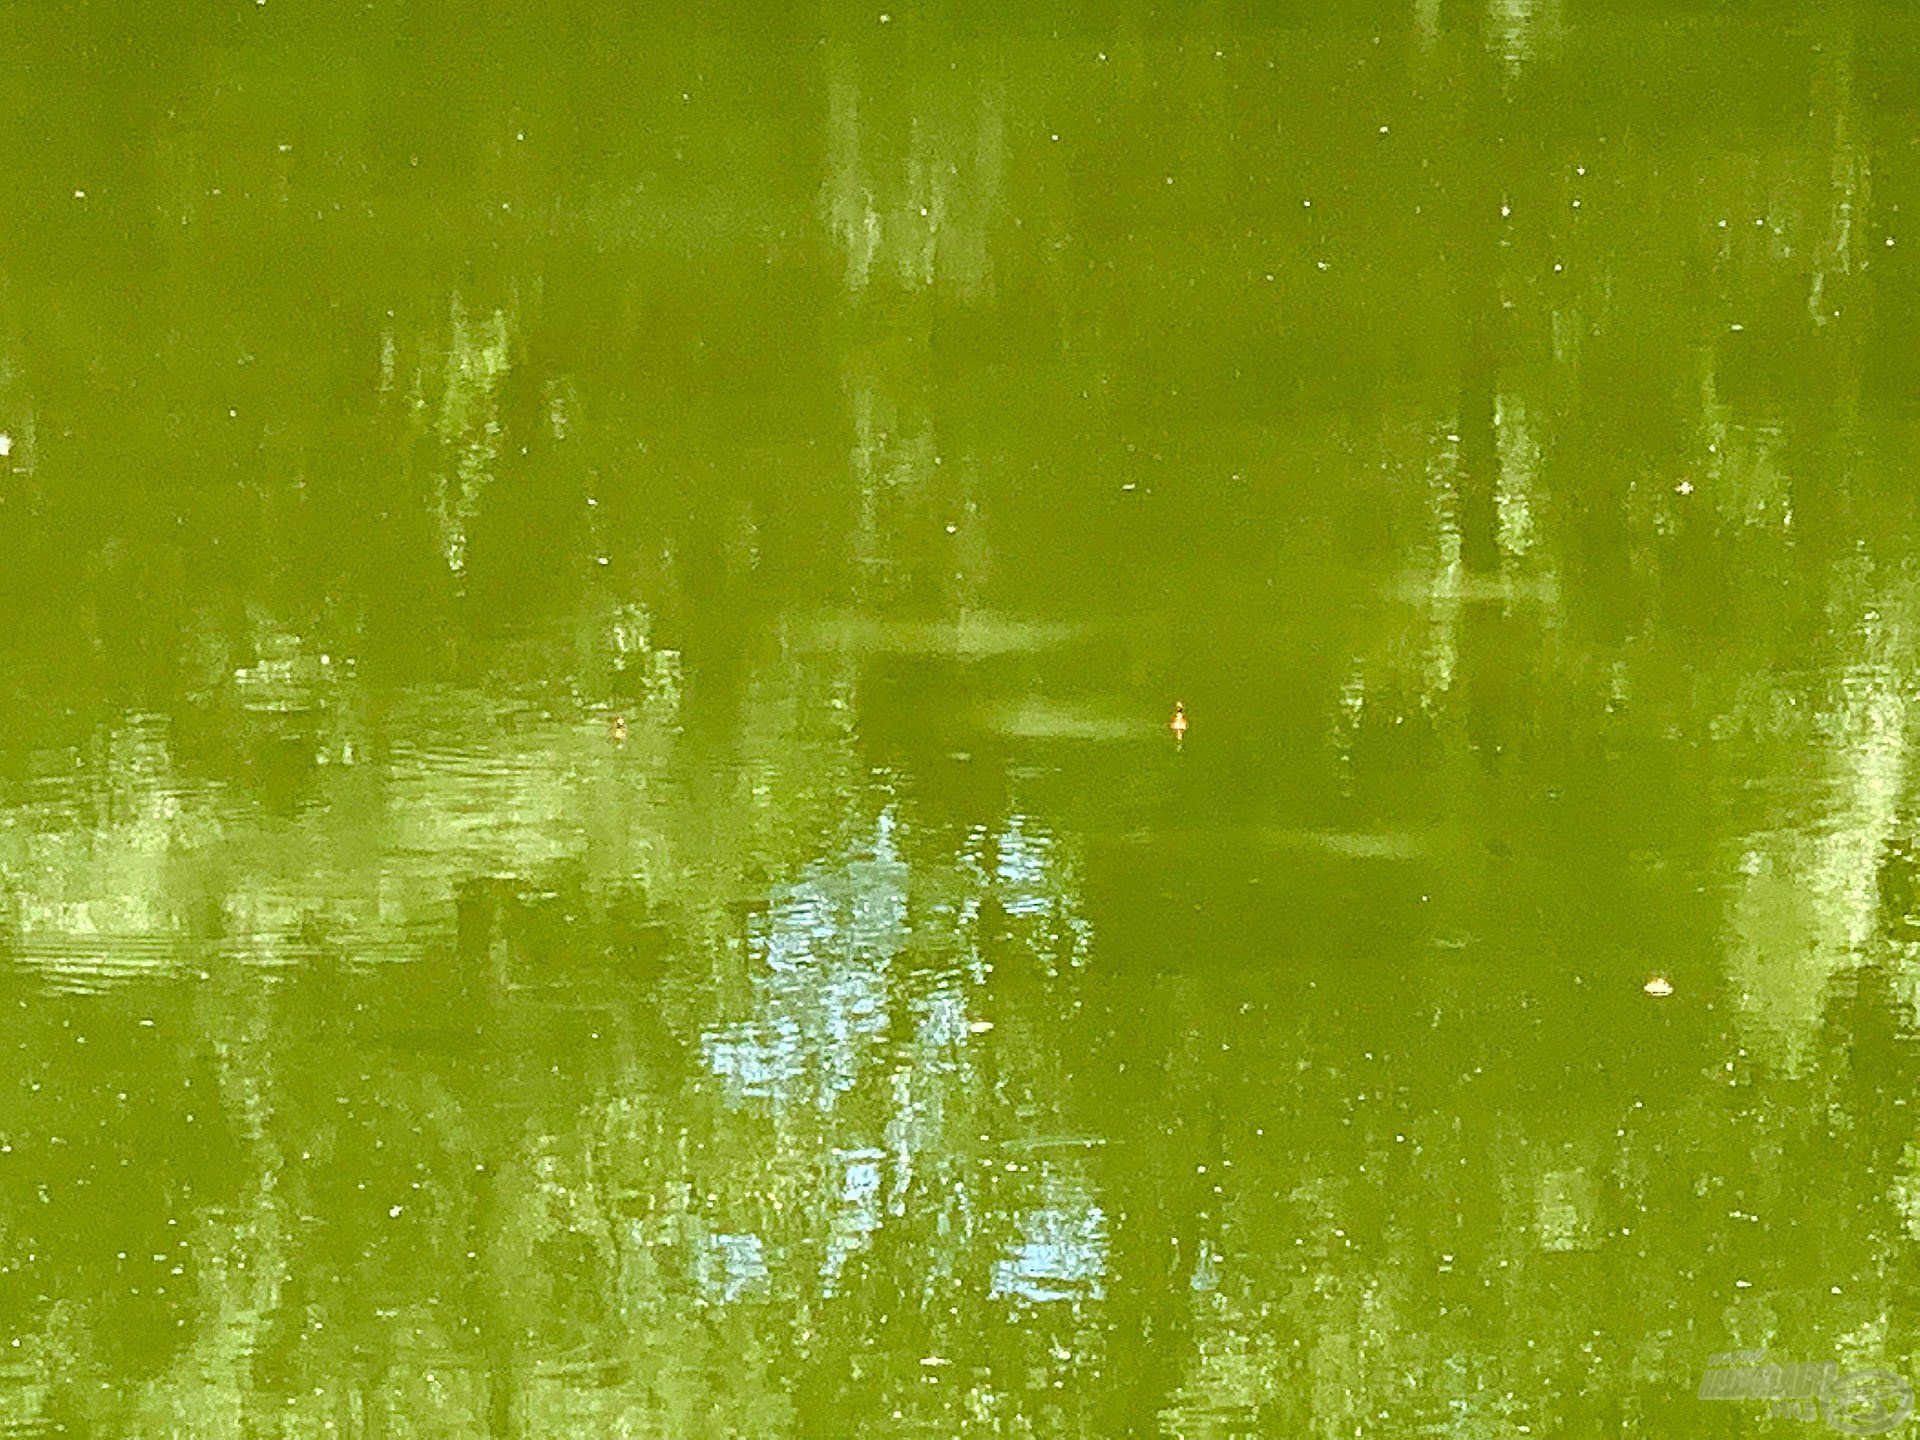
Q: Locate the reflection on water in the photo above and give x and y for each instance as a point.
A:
(589, 842)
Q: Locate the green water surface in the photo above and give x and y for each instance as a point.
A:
(590, 599)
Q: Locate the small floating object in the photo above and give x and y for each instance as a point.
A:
(1658, 986)
(1178, 724)
(617, 728)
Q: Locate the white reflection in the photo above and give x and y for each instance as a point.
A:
(1062, 1250)
(1805, 901)
(855, 1216)
(918, 207)
(1521, 30)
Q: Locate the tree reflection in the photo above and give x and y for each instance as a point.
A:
(586, 839)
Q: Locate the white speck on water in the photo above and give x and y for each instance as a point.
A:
(394, 1213)
(1505, 210)
(1685, 487)
(1736, 327)
(6, 444)
(79, 194)
(1383, 129)
(886, 19)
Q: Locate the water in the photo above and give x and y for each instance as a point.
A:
(589, 843)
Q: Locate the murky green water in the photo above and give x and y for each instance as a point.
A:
(590, 600)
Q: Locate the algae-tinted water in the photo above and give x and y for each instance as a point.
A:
(590, 599)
